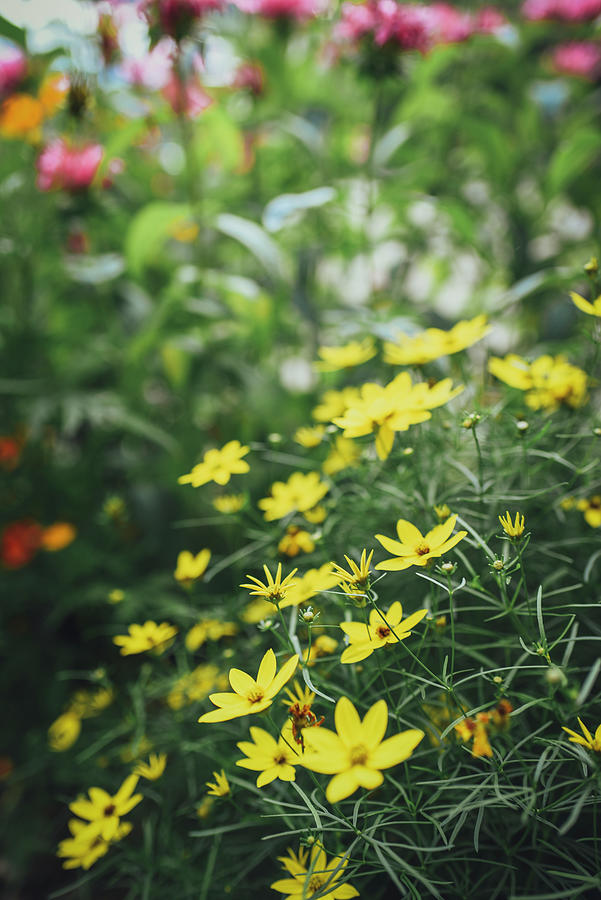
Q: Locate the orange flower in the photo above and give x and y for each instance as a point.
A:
(19, 543)
(52, 92)
(21, 116)
(10, 452)
(58, 536)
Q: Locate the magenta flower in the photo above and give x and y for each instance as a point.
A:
(176, 17)
(186, 97)
(154, 69)
(562, 10)
(13, 66)
(281, 9)
(579, 58)
(61, 167)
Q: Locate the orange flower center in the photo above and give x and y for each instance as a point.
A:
(109, 810)
(422, 549)
(315, 883)
(255, 695)
(280, 759)
(359, 755)
(382, 631)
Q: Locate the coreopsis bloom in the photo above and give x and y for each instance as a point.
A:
(209, 630)
(353, 354)
(21, 116)
(296, 541)
(19, 543)
(356, 752)
(196, 685)
(412, 350)
(148, 636)
(588, 741)
(58, 536)
(274, 589)
(64, 731)
(218, 465)
(154, 768)
(415, 549)
(442, 512)
(323, 645)
(257, 611)
(335, 403)
(344, 454)
(229, 503)
(116, 596)
(513, 529)
(309, 437)
(86, 845)
(581, 59)
(590, 308)
(105, 810)
(394, 407)
(62, 167)
(316, 515)
(13, 67)
(592, 510)
(475, 728)
(364, 638)
(270, 758)
(307, 586)
(319, 875)
(86, 704)
(250, 695)
(300, 493)
(562, 10)
(189, 567)
(548, 381)
(356, 580)
(220, 787)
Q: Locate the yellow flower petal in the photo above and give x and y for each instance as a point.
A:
(267, 669)
(348, 723)
(396, 749)
(341, 786)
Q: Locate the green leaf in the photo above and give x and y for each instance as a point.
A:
(572, 158)
(148, 231)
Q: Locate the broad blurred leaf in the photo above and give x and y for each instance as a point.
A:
(280, 211)
(573, 156)
(95, 269)
(255, 239)
(218, 140)
(148, 230)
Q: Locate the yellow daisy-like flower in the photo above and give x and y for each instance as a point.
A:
(394, 407)
(149, 636)
(116, 596)
(220, 787)
(316, 515)
(592, 510)
(105, 810)
(250, 695)
(272, 759)
(433, 343)
(209, 630)
(512, 529)
(416, 549)
(301, 492)
(323, 645)
(356, 754)
(313, 582)
(476, 728)
(274, 589)
(218, 465)
(189, 567)
(335, 403)
(309, 437)
(344, 454)
(318, 877)
(588, 741)
(364, 639)
(442, 512)
(357, 580)
(64, 731)
(86, 846)
(154, 768)
(548, 381)
(195, 686)
(296, 541)
(229, 503)
(592, 309)
(353, 354)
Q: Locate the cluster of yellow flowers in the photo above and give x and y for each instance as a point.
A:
(65, 730)
(548, 381)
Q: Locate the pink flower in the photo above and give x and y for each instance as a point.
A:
(176, 17)
(579, 58)
(13, 66)
(387, 22)
(186, 97)
(249, 77)
(61, 167)
(281, 9)
(450, 25)
(563, 10)
(489, 19)
(153, 70)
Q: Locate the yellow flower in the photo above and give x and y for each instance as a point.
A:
(548, 381)
(154, 768)
(320, 876)
(335, 403)
(394, 407)
(204, 809)
(58, 536)
(592, 309)
(357, 580)
(323, 645)
(220, 787)
(250, 695)
(184, 230)
(588, 741)
(274, 590)
(209, 630)
(592, 510)
(272, 759)
(316, 515)
(86, 705)
(416, 549)
(353, 354)
(105, 810)
(512, 529)
(296, 541)
(116, 596)
(194, 686)
(442, 512)
(148, 636)
(356, 753)
(257, 610)
(218, 465)
(364, 639)
(189, 567)
(434, 343)
(135, 750)
(86, 846)
(343, 455)
(470, 728)
(229, 503)
(313, 582)
(64, 731)
(21, 116)
(309, 437)
(301, 492)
